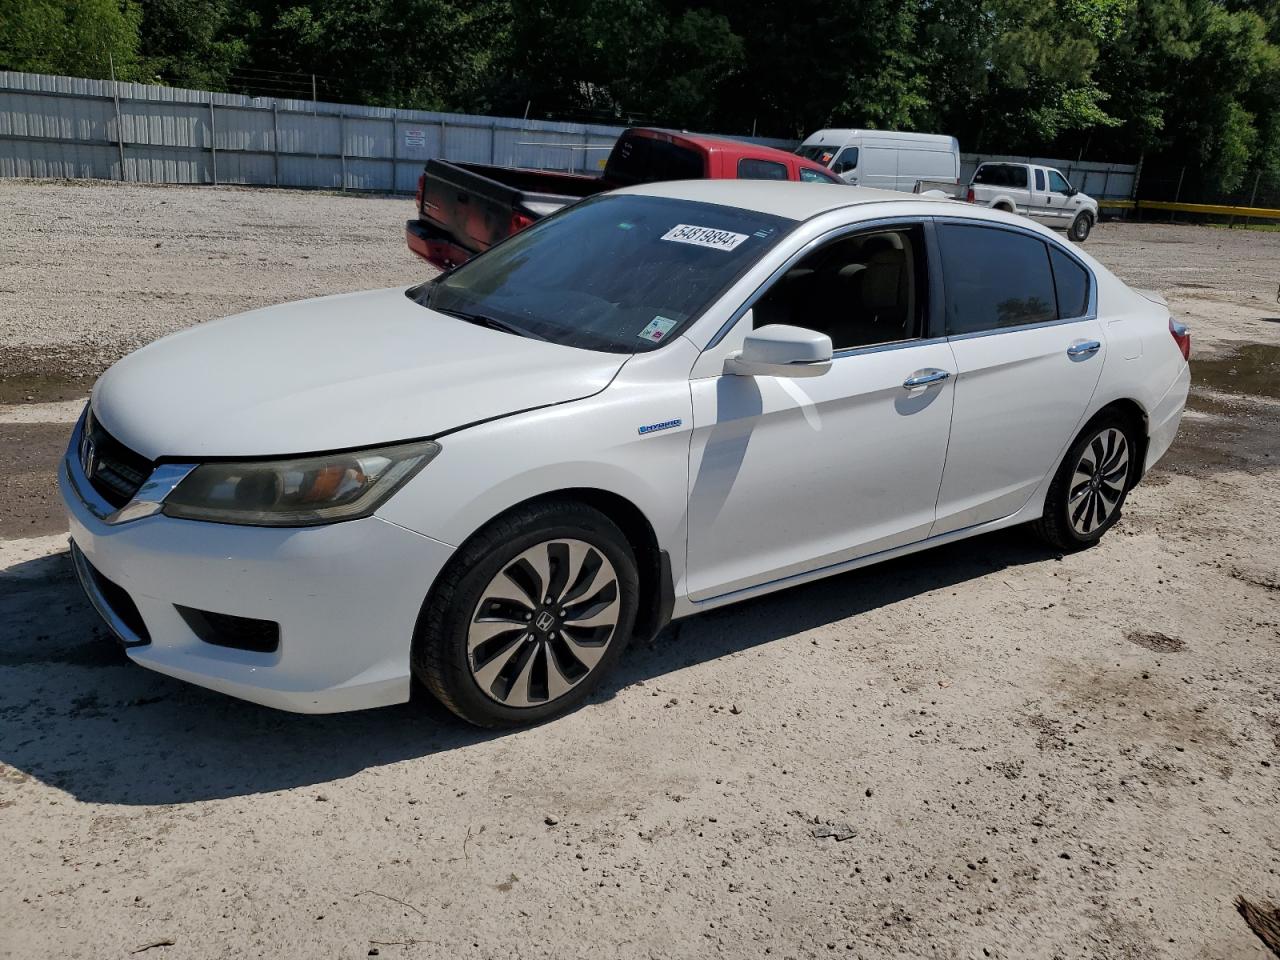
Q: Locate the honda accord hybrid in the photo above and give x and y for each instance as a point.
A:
(656, 402)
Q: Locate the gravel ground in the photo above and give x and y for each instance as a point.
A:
(1019, 755)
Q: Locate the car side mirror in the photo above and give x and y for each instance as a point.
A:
(1072, 191)
(781, 350)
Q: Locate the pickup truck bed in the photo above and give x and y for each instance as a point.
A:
(465, 208)
(468, 207)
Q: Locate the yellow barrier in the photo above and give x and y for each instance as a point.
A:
(1262, 213)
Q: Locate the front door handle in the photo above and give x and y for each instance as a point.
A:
(922, 378)
(1083, 348)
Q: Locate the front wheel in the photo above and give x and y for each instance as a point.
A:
(528, 617)
(1090, 487)
(1080, 228)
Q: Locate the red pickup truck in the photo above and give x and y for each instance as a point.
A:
(465, 208)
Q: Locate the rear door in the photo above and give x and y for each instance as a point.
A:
(1020, 319)
(1037, 200)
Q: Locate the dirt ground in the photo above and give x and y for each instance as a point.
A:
(1020, 755)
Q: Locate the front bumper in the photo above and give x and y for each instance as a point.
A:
(346, 597)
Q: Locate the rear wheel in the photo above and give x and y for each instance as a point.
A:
(1080, 228)
(1090, 487)
(530, 615)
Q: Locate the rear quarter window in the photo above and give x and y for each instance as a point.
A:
(1071, 282)
(1001, 175)
(994, 278)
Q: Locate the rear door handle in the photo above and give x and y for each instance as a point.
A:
(922, 378)
(1083, 348)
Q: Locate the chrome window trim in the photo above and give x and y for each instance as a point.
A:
(1020, 327)
(885, 347)
(146, 501)
(1091, 311)
(833, 234)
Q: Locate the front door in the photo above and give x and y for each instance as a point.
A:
(1066, 202)
(1028, 356)
(792, 475)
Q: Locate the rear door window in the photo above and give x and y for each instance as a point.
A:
(749, 168)
(994, 278)
(1039, 179)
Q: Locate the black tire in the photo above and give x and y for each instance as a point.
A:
(441, 660)
(1080, 228)
(1060, 524)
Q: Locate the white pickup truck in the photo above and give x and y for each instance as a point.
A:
(1041, 193)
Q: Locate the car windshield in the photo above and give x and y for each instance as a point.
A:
(619, 273)
(817, 152)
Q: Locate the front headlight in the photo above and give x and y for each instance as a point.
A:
(297, 493)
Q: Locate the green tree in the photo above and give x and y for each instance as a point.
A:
(76, 37)
(193, 43)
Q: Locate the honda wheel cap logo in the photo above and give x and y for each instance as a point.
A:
(544, 621)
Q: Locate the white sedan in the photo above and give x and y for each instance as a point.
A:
(659, 401)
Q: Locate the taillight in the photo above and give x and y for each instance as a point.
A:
(969, 195)
(422, 188)
(519, 221)
(1181, 336)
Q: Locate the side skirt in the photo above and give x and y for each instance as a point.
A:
(685, 607)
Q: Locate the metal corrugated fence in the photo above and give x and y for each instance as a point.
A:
(73, 127)
(77, 128)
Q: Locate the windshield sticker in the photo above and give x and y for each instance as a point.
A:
(704, 236)
(656, 329)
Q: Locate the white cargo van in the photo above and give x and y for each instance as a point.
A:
(887, 159)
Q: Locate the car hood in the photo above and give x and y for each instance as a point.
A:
(338, 372)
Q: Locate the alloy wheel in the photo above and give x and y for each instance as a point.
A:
(1098, 481)
(543, 622)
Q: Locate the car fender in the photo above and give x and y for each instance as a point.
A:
(631, 440)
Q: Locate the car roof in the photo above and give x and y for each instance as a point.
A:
(779, 198)
(839, 136)
(739, 148)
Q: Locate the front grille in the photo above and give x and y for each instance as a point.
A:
(226, 630)
(112, 469)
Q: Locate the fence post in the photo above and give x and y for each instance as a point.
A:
(395, 152)
(275, 143)
(115, 97)
(1177, 194)
(444, 152)
(1133, 191)
(213, 141)
(1253, 197)
(493, 142)
(342, 145)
